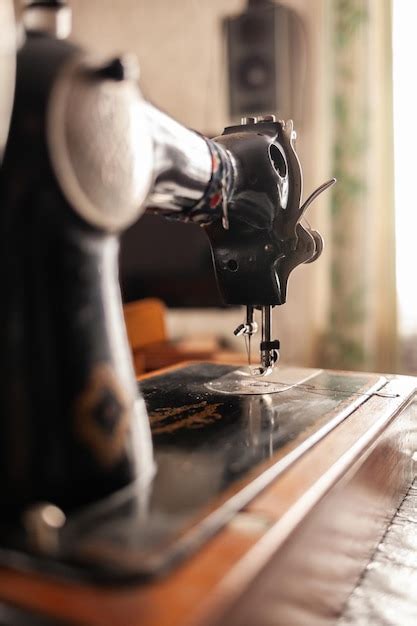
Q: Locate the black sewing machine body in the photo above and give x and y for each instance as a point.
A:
(265, 241)
(85, 155)
(67, 395)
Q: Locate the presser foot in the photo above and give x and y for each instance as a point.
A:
(269, 348)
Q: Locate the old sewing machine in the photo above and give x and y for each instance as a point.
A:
(84, 491)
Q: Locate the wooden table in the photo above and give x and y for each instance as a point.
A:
(291, 557)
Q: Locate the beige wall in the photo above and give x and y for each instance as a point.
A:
(180, 49)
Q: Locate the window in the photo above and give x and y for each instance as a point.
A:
(405, 155)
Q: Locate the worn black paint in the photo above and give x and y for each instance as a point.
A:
(53, 330)
(197, 465)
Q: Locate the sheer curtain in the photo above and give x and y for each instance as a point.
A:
(362, 313)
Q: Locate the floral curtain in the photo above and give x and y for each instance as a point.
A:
(362, 320)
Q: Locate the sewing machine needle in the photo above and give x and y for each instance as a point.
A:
(249, 330)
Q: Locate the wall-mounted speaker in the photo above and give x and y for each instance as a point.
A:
(267, 58)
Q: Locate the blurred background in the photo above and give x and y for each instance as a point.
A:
(341, 69)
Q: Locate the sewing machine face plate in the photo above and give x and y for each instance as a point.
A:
(214, 453)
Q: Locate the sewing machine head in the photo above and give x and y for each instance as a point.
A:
(263, 239)
(85, 155)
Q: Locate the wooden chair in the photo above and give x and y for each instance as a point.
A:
(151, 347)
(145, 324)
